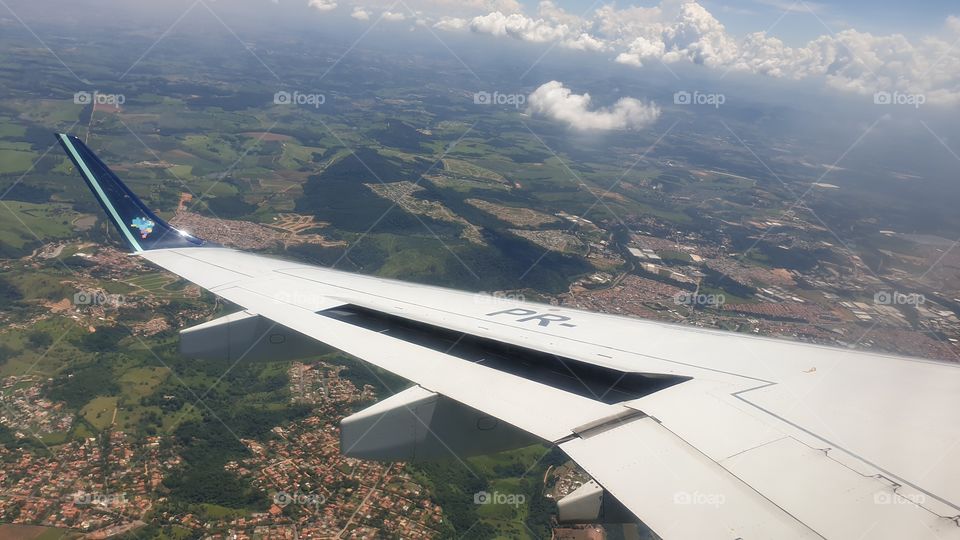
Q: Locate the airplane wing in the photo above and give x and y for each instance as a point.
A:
(698, 433)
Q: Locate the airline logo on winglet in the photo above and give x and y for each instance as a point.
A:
(145, 225)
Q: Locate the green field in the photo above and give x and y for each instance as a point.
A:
(15, 161)
(99, 412)
(28, 359)
(10, 130)
(142, 381)
(32, 532)
(23, 223)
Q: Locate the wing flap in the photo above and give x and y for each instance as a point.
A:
(823, 493)
(781, 489)
(676, 490)
(834, 493)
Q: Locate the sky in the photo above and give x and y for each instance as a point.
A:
(744, 16)
(852, 47)
(889, 52)
(830, 76)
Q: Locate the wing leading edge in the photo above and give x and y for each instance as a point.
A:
(720, 444)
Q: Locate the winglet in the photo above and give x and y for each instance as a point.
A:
(141, 229)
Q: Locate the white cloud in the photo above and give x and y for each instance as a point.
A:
(451, 24)
(322, 5)
(557, 102)
(551, 12)
(792, 6)
(360, 14)
(641, 49)
(860, 62)
(553, 25)
(393, 16)
(459, 8)
(624, 24)
(953, 24)
(849, 61)
(585, 42)
(689, 33)
(518, 26)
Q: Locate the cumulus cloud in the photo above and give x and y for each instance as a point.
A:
(322, 5)
(691, 34)
(850, 60)
(451, 24)
(393, 16)
(585, 42)
(518, 26)
(360, 14)
(551, 12)
(953, 24)
(554, 25)
(559, 103)
(640, 50)
(458, 8)
(860, 62)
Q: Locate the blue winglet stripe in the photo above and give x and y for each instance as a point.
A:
(138, 225)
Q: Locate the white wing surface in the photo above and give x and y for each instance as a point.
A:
(698, 433)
